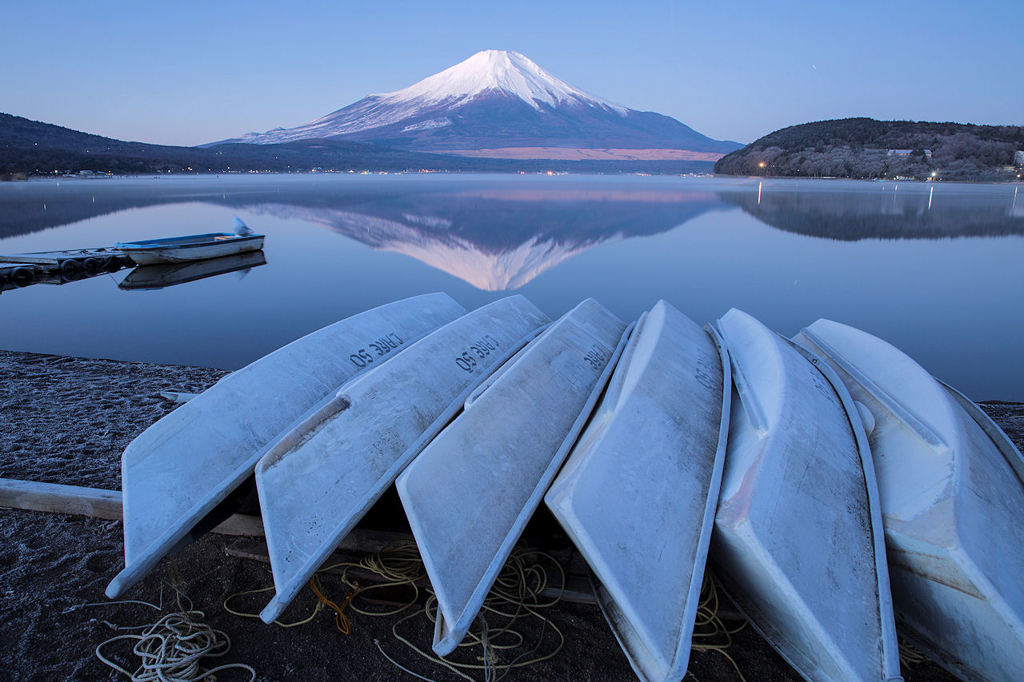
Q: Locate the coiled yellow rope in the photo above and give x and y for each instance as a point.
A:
(710, 633)
(909, 655)
(515, 595)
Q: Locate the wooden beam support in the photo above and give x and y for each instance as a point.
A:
(60, 499)
(102, 504)
(177, 396)
(106, 504)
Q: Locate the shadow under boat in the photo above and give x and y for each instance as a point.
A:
(161, 276)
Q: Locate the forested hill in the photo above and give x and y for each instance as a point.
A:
(866, 148)
(35, 148)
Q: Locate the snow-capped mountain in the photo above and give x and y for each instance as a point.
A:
(499, 103)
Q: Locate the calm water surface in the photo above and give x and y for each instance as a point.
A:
(938, 270)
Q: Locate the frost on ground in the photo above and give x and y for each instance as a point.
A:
(66, 420)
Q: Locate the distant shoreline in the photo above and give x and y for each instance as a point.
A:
(725, 176)
(864, 149)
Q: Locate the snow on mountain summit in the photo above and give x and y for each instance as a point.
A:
(496, 70)
(495, 101)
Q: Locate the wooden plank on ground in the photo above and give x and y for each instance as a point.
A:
(106, 504)
(177, 396)
(60, 499)
(102, 504)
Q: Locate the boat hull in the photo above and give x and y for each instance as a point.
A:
(639, 491)
(797, 538)
(500, 455)
(322, 477)
(952, 499)
(154, 252)
(181, 467)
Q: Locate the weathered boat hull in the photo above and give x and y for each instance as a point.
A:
(797, 537)
(952, 504)
(639, 491)
(469, 494)
(194, 247)
(322, 477)
(182, 466)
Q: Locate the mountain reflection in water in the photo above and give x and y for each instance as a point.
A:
(934, 269)
(499, 241)
(499, 235)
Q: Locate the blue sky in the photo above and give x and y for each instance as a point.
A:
(193, 72)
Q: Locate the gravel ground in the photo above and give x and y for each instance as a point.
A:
(66, 420)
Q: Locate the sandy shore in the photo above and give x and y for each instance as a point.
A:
(66, 420)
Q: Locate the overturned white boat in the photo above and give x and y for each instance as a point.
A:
(639, 491)
(952, 503)
(181, 467)
(322, 477)
(469, 494)
(798, 537)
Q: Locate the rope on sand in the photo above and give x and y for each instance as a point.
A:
(710, 633)
(172, 648)
(515, 595)
(909, 654)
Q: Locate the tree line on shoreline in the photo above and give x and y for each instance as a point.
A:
(33, 148)
(866, 148)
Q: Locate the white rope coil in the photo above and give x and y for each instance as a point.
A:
(171, 650)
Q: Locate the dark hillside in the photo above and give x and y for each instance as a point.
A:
(34, 148)
(866, 148)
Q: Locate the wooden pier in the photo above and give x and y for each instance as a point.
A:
(58, 267)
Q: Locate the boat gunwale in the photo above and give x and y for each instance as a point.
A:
(998, 437)
(186, 242)
(445, 632)
(890, 658)
(153, 552)
(884, 398)
(286, 593)
(679, 663)
(799, 659)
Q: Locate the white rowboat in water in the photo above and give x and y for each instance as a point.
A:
(181, 467)
(190, 248)
(952, 504)
(797, 538)
(470, 492)
(639, 491)
(323, 476)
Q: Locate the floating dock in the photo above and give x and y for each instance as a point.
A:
(58, 267)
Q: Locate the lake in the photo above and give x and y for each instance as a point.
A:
(935, 269)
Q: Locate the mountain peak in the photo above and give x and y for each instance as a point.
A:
(504, 71)
(500, 104)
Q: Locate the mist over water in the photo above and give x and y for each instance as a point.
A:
(933, 269)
